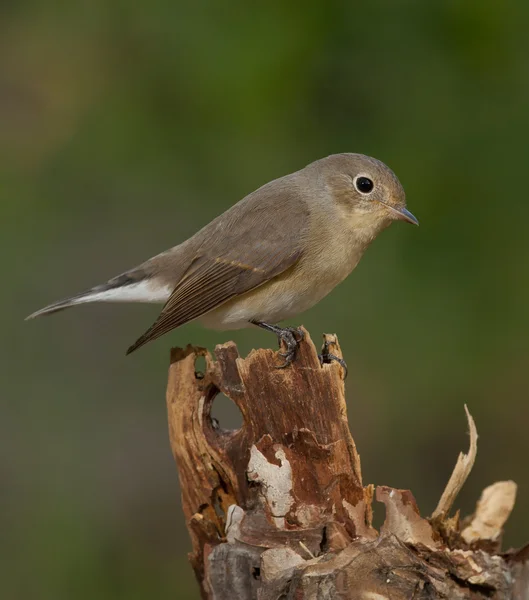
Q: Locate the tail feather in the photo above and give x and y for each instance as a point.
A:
(132, 287)
(94, 294)
(61, 305)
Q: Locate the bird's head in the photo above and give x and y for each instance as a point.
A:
(366, 190)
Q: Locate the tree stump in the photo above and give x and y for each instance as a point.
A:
(277, 509)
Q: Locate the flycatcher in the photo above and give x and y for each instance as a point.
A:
(269, 257)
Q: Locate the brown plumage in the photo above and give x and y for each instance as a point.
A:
(273, 254)
(230, 259)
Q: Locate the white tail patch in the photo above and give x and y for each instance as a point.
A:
(143, 291)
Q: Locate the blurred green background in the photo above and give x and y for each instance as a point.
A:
(125, 127)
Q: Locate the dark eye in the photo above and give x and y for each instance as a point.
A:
(364, 185)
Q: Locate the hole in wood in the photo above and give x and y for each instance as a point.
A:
(379, 514)
(324, 546)
(224, 413)
(200, 367)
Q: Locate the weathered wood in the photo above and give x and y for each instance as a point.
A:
(277, 509)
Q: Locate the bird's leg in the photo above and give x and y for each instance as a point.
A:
(327, 357)
(287, 335)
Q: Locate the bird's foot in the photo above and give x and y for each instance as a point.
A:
(290, 336)
(326, 357)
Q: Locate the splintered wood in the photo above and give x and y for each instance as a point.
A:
(278, 509)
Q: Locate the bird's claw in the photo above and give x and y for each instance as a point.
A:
(289, 358)
(327, 358)
(296, 331)
(288, 336)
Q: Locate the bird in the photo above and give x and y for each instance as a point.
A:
(272, 255)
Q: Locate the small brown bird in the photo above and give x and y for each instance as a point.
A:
(271, 256)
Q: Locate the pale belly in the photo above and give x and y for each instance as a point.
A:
(334, 253)
(281, 298)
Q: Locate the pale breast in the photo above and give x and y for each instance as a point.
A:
(334, 245)
(328, 261)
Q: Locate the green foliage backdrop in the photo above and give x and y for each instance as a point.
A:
(126, 126)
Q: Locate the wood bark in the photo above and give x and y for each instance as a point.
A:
(277, 509)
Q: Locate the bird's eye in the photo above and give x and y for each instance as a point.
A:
(364, 185)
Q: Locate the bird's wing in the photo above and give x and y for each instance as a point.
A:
(256, 240)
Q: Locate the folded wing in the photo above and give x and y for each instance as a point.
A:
(256, 240)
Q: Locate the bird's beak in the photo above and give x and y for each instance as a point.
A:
(402, 214)
(405, 215)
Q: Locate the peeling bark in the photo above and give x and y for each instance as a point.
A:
(277, 509)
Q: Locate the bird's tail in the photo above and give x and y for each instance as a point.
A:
(61, 305)
(129, 287)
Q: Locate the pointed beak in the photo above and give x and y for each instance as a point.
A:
(403, 214)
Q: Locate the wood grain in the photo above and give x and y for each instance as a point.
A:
(278, 509)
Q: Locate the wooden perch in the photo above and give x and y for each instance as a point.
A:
(277, 509)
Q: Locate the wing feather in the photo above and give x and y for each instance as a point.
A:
(256, 244)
